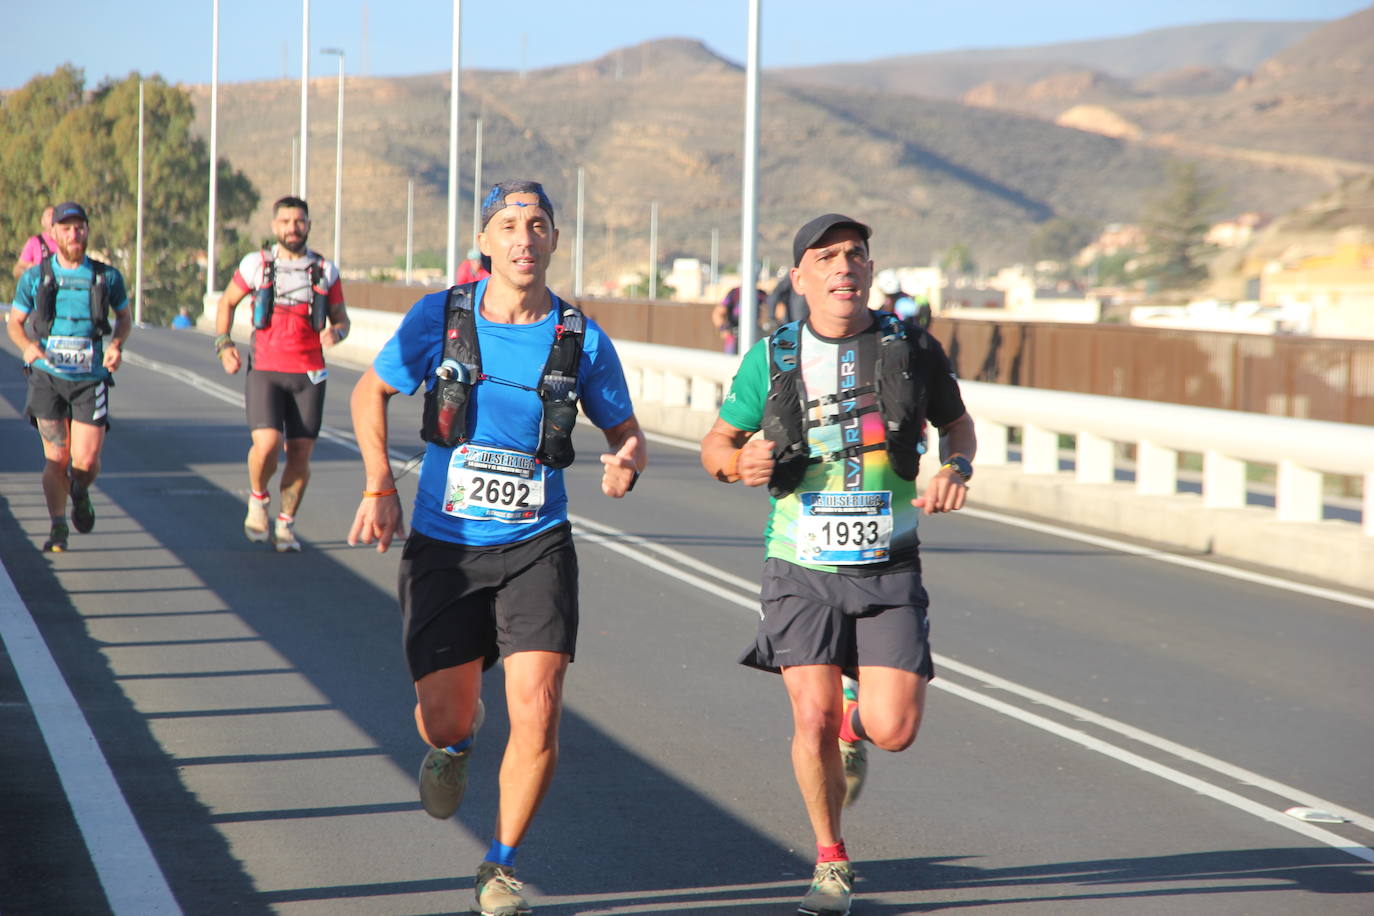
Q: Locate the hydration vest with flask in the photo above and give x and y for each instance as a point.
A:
(264, 297)
(445, 421)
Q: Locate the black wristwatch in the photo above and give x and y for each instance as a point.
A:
(961, 466)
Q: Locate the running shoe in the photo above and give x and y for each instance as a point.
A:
(83, 513)
(57, 538)
(285, 536)
(444, 776)
(255, 524)
(831, 889)
(853, 753)
(498, 892)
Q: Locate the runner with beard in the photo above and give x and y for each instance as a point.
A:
(298, 309)
(60, 322)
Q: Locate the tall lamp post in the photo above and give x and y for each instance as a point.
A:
(338, 155)
(749, 221)
(455, 84)
(305, 96)
(214, 152)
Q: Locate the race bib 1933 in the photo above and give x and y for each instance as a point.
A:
(70, 354)
(494, 484)
(844, 528)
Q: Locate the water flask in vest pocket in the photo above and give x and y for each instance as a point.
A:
(555, 446)
(263, 300)
(446, 415)
(319, 299)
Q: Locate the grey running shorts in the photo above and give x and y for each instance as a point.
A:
(460, 603)
(53, 398)
(286, 401)
(819, 618)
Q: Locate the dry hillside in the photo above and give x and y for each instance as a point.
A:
(662, 121)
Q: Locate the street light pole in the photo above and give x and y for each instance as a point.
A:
(138, 230)
(305, 95)
(653, 249)
(577, 249)
(410, 229)
(749, 220)
(455, 84)
(477, 185)
(214, 153)
(338, 156)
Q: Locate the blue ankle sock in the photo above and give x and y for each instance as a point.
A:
(460, 746)
(501, 854)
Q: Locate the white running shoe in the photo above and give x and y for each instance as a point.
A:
(257, 523)
(286, 536)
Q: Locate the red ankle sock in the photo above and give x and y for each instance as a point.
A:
(834, 853)
(847, 733)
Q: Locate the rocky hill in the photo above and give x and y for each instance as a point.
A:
(1236, 46)
(663, 122)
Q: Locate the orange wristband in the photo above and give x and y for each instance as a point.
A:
(367, 494)
(732, 466)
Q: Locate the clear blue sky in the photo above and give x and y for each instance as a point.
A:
(261, 40)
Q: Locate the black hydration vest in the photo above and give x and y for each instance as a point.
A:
(264, 298)
(44, 312)
(901, 402)
(445, 420)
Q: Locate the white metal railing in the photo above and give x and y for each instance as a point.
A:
(1303, 451)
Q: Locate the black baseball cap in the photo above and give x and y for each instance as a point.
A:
(811, 233)
(63, 212)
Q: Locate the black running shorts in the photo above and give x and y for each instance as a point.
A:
(284, 401)
(819, 618)
(53, 398)
(461, 603)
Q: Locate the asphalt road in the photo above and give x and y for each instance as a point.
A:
(1110, 733)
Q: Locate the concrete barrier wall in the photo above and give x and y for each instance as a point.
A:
(677, 392)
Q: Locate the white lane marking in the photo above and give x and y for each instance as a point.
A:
(621, 543)
(616, 540)
(128, 871)
(222, 392)
(677, 556)
(1163, 744)
(1314, 591)
(1202, 787)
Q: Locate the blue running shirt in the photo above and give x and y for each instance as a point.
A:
(501, 416)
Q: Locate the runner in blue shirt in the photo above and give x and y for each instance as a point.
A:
(60, 322)
(489, 568)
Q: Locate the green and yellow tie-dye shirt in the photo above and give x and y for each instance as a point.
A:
(829, 368)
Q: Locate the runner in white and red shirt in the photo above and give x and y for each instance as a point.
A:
(298, 305)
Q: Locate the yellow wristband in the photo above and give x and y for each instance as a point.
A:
(368, 494)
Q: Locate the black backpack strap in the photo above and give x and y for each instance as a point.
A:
(319, 295)
(559, 379)
(44, 300)
(460, 330)
(100, 298)
(445, 418)
(558, 389)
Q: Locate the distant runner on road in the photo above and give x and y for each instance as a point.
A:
(298, 309)
(60, 322)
